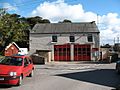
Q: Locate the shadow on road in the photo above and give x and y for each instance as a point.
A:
(106, 77)
(5, 86)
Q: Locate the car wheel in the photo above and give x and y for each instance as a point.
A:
(20, 81)
(31, 74)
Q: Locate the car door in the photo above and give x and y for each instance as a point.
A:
(30, 65)
(26, 67)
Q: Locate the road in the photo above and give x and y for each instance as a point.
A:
(71, 76)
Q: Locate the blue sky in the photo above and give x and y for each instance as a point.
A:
(100, 7)
(106, 13)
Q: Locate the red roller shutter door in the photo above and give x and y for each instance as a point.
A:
(62, 52)
(82, 52)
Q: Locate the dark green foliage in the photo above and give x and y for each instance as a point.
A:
(12, 29)
(65, 21)
(116, 47)
(34, 20)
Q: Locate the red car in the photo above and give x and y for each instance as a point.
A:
(14, 68)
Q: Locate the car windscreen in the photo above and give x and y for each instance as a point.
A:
(14, 61)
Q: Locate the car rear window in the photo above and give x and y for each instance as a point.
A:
(14, 61)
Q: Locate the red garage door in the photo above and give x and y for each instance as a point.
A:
(82, 52)
(62, 52)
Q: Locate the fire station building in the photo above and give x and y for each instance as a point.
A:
(66, 41)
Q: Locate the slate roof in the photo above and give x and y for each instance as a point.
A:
(49, 28)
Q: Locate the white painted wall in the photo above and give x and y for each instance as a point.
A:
(44, 41)
(23, 51)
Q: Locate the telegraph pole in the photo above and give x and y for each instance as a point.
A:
(114, 40)
(117, 39)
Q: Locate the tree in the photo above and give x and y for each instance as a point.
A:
(65, 21)
(34, 20)
(45, 21)
(116, 47)
(12, 28)
(106, 46)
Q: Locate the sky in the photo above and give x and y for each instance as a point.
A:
(106, 13)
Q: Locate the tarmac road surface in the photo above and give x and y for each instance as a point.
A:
(71, 76)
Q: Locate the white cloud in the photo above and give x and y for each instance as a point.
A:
(109, 25)
(57, 11)
(9, 7)
(109, 28)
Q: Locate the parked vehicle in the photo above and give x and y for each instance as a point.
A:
(118, 66)
(38, 59)
(13, 69)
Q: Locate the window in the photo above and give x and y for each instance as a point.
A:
(54, 38)
(25, 62)
(29, 60)
(72, 39)
(11, 61)
(90, 38)
(88, 49)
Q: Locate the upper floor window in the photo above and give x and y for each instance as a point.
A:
(54, 38)
(72, 38)
(90, 38)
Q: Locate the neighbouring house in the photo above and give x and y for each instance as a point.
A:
(107, 54)
(116, 48)
(65, 41)
(104, 53)
(11, 49)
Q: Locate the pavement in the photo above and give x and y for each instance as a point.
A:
(86, 65)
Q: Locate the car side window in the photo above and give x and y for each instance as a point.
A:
(26, 62)
(29, 60)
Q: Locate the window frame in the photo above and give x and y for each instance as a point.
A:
(54, 38)
(26, 64)
(90, 38)
(71, 38)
